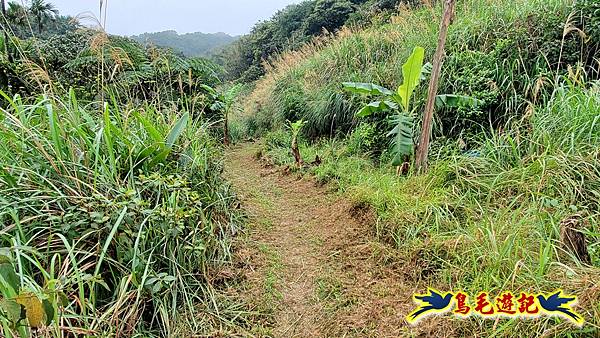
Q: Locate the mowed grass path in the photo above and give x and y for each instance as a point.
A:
(309, 259)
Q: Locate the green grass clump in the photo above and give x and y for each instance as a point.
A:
(115, 219)
(490, 219)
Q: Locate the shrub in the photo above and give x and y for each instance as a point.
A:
(111, 216)
(367, 139)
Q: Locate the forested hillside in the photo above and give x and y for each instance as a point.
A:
(297, 24)
(190, 44)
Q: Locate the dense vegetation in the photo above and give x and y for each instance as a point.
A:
(40, 18)
(480, 65)
(116, 220)
(506, 175)
(190, 44)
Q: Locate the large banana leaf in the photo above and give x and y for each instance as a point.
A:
(377, 106)
(411, 71)
(402, 137)
(366, 88)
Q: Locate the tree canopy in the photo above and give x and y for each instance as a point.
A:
(293, 26)
(190, 44)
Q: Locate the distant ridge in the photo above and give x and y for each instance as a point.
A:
(190, 44)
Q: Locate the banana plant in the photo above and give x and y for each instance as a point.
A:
(295, 129)
(223, 102)
(399, 102)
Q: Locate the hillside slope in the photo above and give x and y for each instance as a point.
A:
(505, 54)
(190, 44)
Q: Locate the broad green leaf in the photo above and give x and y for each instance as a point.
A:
(12, 310)
(366, 88)
(455, 101)
(150, 129)
(402, 138)
(177, 130)
(377, 106)
(368, 110)
(411, 72)
(9, 281)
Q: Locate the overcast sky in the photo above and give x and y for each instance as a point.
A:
(131, 17)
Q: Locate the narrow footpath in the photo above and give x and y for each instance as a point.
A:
(310, 258)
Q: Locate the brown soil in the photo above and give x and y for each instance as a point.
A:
(310, 259)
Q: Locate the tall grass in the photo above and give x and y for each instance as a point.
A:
(555, 150)
(117, 221)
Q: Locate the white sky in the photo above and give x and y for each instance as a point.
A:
(131, 17)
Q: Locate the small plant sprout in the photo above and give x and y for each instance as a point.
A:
(296, 128)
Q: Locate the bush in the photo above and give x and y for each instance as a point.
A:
(367, 139)
(110, 215)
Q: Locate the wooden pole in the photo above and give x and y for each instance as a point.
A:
(438, 60)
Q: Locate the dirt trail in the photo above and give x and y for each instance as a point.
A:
(310, 260)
